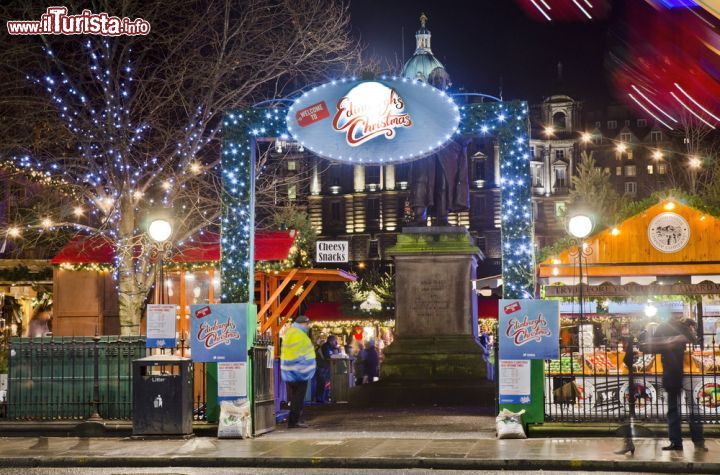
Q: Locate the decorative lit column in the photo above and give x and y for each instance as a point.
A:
(359, 178)
(315, 188)
(389, 177)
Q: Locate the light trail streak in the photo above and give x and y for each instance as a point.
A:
(653, 104)
(697, 103)
(692, 111)
(648, 111)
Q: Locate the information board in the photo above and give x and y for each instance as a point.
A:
(160, 326)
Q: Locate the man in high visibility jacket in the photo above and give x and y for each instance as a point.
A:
(297, 363)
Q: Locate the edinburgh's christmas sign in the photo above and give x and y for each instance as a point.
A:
(373, 122)
(218, 332)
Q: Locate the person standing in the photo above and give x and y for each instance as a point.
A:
(297, 365)
(371, 363)
(669, 340)
(323, 375)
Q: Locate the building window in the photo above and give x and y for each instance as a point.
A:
(559, 121)
(597, 139)
(618, 171)
(631, 188)
(642, 123)
(537, 179)
(655, 136)
(627, 123)
(292, 165)
(560, 177)
(650, 169)
(559, 154)
(560, 209)
(373, 213)
(606, 170)
(598, 124)
(372, 175)
(373, 249)
(612, 124)
(335, 211)
(292, 192)
(661, 168)
(626, 137)
(630, 170)
(532, 151)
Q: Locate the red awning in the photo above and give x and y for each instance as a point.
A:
(325, 311)
(487, 308)
(205, 247)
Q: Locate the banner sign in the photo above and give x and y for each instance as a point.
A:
(529, 329)
(160, 326)
(218, 332)
(374, 122)
(632, 290)
(514, 382)
(331, 251)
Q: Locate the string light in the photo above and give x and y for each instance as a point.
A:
(78, 211)
(46, 223)
(13, 231)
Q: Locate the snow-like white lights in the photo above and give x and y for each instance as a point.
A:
(160, 230)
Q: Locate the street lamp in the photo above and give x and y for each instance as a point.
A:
(579, 226)
(160, 230)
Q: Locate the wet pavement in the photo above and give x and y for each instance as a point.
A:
(405, 441)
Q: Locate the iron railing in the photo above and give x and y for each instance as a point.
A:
(593, 385)
(66, 378)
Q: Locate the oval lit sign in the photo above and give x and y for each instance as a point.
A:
(373, 122)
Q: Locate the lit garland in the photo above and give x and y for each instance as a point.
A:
(93, 266)
(509, 122)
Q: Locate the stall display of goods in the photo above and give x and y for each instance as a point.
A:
(600, 363)
(566, 364)
(704, 362)
(643, 363)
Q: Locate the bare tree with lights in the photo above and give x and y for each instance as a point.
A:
(140, 116)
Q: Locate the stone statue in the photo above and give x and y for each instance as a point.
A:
(440, 184)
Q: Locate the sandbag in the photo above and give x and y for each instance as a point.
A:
(509, 425)
(235, 422)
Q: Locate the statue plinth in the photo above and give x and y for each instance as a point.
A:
(435, 357)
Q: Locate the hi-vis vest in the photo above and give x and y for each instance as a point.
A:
(297, 356)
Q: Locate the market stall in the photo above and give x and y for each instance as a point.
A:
(661, 263)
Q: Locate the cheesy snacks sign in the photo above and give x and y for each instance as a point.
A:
(529, 329)
(331, 251)
(374, 122)
(218, 332)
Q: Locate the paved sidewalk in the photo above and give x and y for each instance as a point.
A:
(313, 448)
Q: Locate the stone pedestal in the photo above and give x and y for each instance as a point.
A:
(435, 358)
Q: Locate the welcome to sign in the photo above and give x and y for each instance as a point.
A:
(374, 122)
(529, 329)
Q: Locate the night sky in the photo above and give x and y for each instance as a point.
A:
(484, 42)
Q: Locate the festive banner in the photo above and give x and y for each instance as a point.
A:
(529, 329)
(390, 120)
(218, 332)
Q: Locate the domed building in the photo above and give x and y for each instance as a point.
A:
(423, 65)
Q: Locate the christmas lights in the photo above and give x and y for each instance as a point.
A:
(508, 121)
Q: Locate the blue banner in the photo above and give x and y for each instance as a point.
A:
(218, 332)
(529, 329)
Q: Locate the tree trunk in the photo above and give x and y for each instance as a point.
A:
(135, 273)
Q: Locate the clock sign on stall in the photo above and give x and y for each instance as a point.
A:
(374, 122)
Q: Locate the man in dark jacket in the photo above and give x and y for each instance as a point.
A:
(669, 340)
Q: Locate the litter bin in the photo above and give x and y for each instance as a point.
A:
(341, 371)
(162, 395)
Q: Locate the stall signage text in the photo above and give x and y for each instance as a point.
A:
(331, 251)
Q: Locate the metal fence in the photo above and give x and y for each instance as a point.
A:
(66, 378)
(593, 385)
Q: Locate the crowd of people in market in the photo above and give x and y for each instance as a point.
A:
(359, 359)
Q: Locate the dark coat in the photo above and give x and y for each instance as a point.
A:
(673, 356)
(371, 363)
(454, 164)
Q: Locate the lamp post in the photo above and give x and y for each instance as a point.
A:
(580, 226)
(160, 230)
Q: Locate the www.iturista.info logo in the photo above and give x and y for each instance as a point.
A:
(56, 21)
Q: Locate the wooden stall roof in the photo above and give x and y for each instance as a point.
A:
(625, 250)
